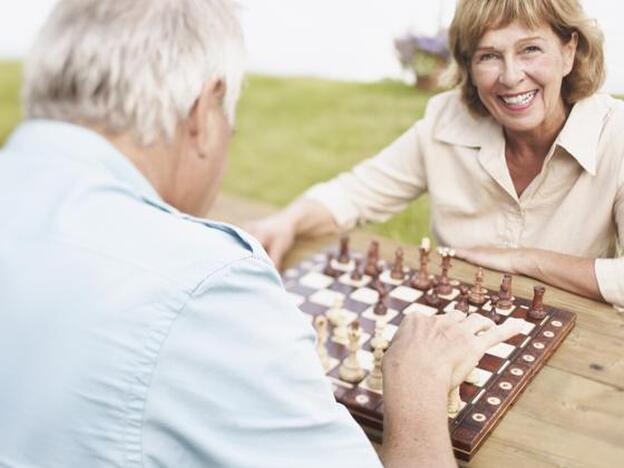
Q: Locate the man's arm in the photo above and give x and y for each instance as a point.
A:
(239, 383)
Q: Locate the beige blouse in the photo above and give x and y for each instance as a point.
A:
(574, 206)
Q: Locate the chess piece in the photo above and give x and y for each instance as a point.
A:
(491, 314)
(343, 255)
(351, 369)
(477, 293)
(397, 269)
(444, 286)
(356, 274)
(432, 297)
(320, 325)
(372, 260)
(505, 293)
(338, 317)
(380, 307)
(379, 340)
(537, 312)
(329, 269)
(421, 280)
(454, 402)
(375, 378)
(462, 303)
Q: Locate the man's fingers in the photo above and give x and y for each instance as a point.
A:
(510, 327)
(476, 323)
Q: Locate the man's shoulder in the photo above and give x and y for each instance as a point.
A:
(181, 247)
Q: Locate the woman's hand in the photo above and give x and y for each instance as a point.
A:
(497, 258)
(276, 233)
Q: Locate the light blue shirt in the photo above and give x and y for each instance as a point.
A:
(134, 335)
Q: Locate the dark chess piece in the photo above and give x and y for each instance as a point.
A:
(420, 280)
(372, 260)
(491, 314)
(444, 286)
(343, 255)
(462, 303)
(356, 274)
(397, 269)
(537, 312)
(381, 308)
(477, 293)
(329, 269)
(432, 297)
(505, 293)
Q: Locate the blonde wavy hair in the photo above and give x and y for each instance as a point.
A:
(474, 17)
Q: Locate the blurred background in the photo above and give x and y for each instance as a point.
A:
(331, 82)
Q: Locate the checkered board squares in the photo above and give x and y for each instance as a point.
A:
(365, 295)
(417, 308)
(347, 280)
(388, 316)
(326, 297)
(501, 350)
(406, 294)
(481, 377)
(385, 277)
(316, 280)
(502, 373)
(336, 265)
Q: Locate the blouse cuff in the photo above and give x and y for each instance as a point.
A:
(331, 196)
(610, 277)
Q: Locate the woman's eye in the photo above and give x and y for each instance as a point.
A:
(531, 49)
(486, 57)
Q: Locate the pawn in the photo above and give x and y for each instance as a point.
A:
(379, 340)
(380, 307)
(356, 274)
(491, 314)
(372, 259)
(397, 269)
(462, 303)
(537, 311)
(320, 325)
(432, 297)
(343, 256)
(375, 378)
(477, 292)
(505, 293)
(329, 269)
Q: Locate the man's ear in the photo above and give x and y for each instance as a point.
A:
(210, 99)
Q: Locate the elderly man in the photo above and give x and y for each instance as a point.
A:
(134, 334)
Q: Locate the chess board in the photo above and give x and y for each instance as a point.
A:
(503, 372)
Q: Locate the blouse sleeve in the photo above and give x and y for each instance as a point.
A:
(377, 187)
(610, 271)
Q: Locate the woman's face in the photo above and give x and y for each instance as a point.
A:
(518, 74)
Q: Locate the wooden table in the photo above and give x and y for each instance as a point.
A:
(572, 414)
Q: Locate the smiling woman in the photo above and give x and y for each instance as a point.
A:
(517, 158)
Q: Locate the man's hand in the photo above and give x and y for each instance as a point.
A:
(428, 357)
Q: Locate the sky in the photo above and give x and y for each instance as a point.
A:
(338, 39)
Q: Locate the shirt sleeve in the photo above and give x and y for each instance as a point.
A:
(378, 187)
(238, 383)
(610, 271)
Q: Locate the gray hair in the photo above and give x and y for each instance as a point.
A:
(133, 65)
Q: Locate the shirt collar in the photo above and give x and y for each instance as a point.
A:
(74, 141)
(579, 136)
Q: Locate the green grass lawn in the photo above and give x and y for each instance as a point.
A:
(293, 132)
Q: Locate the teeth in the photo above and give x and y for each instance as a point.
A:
(519, 99)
